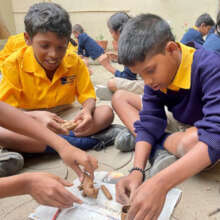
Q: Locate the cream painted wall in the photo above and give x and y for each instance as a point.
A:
(93, 14)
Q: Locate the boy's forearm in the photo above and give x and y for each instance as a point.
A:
(19, 122)
(89, 105)
(192, 163)
(142, 152)
(13, 185)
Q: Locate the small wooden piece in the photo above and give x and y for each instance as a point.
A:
(69, 125)
(106, 192)
(124, 212)
(88, 188)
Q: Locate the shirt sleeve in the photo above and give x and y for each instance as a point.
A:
(7, 50)
(152, 123)
(209, 126)
(10, 85)
(85, 89)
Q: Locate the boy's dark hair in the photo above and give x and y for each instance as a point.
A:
(78, 28)
(144, 35)
(217, 27)
(117, 21)
(44, 17)
(206, 19)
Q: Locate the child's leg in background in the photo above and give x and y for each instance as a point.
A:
(134, 86)
(127, 106)
(86, 61)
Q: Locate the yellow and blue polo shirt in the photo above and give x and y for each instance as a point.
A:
(182, 79)
(26, 85)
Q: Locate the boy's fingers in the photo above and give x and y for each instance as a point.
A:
(58, 119)
(56, 127)
(68, 197)
(121, 195)
(77, 169)
(64, 182)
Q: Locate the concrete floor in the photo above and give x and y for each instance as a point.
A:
(200, 193)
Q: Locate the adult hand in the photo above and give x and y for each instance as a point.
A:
(126, 187)
(147, 201)
(83, 120)
(48, 189)
(50, 120)
(74, 157)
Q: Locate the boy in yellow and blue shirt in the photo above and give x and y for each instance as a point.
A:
(183, 79)
(44, 75)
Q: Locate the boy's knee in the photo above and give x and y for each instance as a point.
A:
(187, 142)
(119, 96)
(107, 112)
(112, 85)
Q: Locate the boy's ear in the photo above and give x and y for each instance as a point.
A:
(27, 39)
(171, 47)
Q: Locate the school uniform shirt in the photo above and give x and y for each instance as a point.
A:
(126, 74)
(212, 43)
(88, 47)
(14, 43)
(192, 35)
(26, 85)
(193, 98)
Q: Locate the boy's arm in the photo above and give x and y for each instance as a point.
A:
(149, 129)
(46, 189)
(155, 189)
(17, 121)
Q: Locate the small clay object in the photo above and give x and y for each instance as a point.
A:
(88, 188)
(124, 212)
(80, 187)
(69, 125)
(106, 192)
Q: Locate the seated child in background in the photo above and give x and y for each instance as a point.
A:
(125, 80)
(46, 75)
(213, 40)
(87, 47)
(184, 79)
(202, 26)
(47, 189)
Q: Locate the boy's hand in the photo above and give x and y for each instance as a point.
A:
(126, 187)
(84, 121)
(50, 120)
(147, 201)
(74, 157)
(48, 189)
(112, 55)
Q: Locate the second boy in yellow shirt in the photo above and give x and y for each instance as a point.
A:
(46, 75)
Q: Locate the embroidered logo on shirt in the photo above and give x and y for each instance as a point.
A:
(67, 79)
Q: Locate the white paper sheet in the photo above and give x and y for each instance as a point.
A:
(100, 208)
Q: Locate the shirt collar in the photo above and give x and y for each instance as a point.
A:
(31, 65)
(182, 79)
